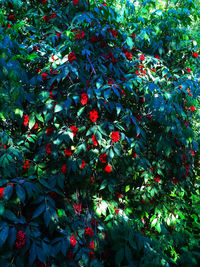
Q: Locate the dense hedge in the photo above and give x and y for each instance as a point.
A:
(99, 134)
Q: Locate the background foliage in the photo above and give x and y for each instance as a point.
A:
(99, 132)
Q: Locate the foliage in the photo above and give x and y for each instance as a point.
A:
(99, 134)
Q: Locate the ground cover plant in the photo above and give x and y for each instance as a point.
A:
(99, 124)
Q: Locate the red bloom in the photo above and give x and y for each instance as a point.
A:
(157, 179)
(68, 152)
(104, 4)
(73, 240)
(108, 168)
(91, 245)
(195, 55)
(92, 180)
(157, 56)
(11, 17)
(192, 152)
(48, 148)
(46, 18)
(74, 129)
(142, 57)
(70, 255)
(35, 126)
(133, 154)
(95, 142)
(83, 164)
(53, 15)
(89, 231)
(64, 169)
(128, 55)
(58, 34)
(93, 115)
(84, 99)
(115, 136)
(192, 108)
(114, 33)
(118, 195)
(50, 130)
(116, 210)
(103, 158)
(20, 239)
(77, 207)
(189, 70)
(44, 76)
(133, 35)
(1, 192)
(26, 120)
(75, 2)
(175, 180)
(25, 164)
(71, 57)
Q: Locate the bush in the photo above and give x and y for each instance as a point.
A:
(99, 155)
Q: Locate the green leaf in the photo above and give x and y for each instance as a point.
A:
(119, 256)
(3, 235)
(128, 253)
(7, 193)
(20, 193)
(129, 42)
(38, 211)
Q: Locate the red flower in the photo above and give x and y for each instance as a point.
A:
(93, 115)
(92, 180)
(11, 17)
(116, 210)
(44, 76)
(89, 231)
(74, 129)
(64, 169)
(20, 239)
(71, 57)
(133, 154)
(115, 136)
(58, 34)
(68, 152)
(26, 120)
(1, 192)
(50, 130)
(142, 57)
(83, 164)
(103, 158)
(192, 152)
(128, 55)
(157, 56)
(192, 108)
(70, 255)
(114, 33)
(73, 240)
(91, 245)
(118, 195)
(35, 126)
(133, 35)
(53, 15)
(189, 70)
(46, 18)
(84, 99)
(104, 4)
(108, 168)
(157, 179)
(95, 143)
(48, 148)
(195, 55)
(175, 180)
(25, 164)
(75, 2)
(77, 207)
